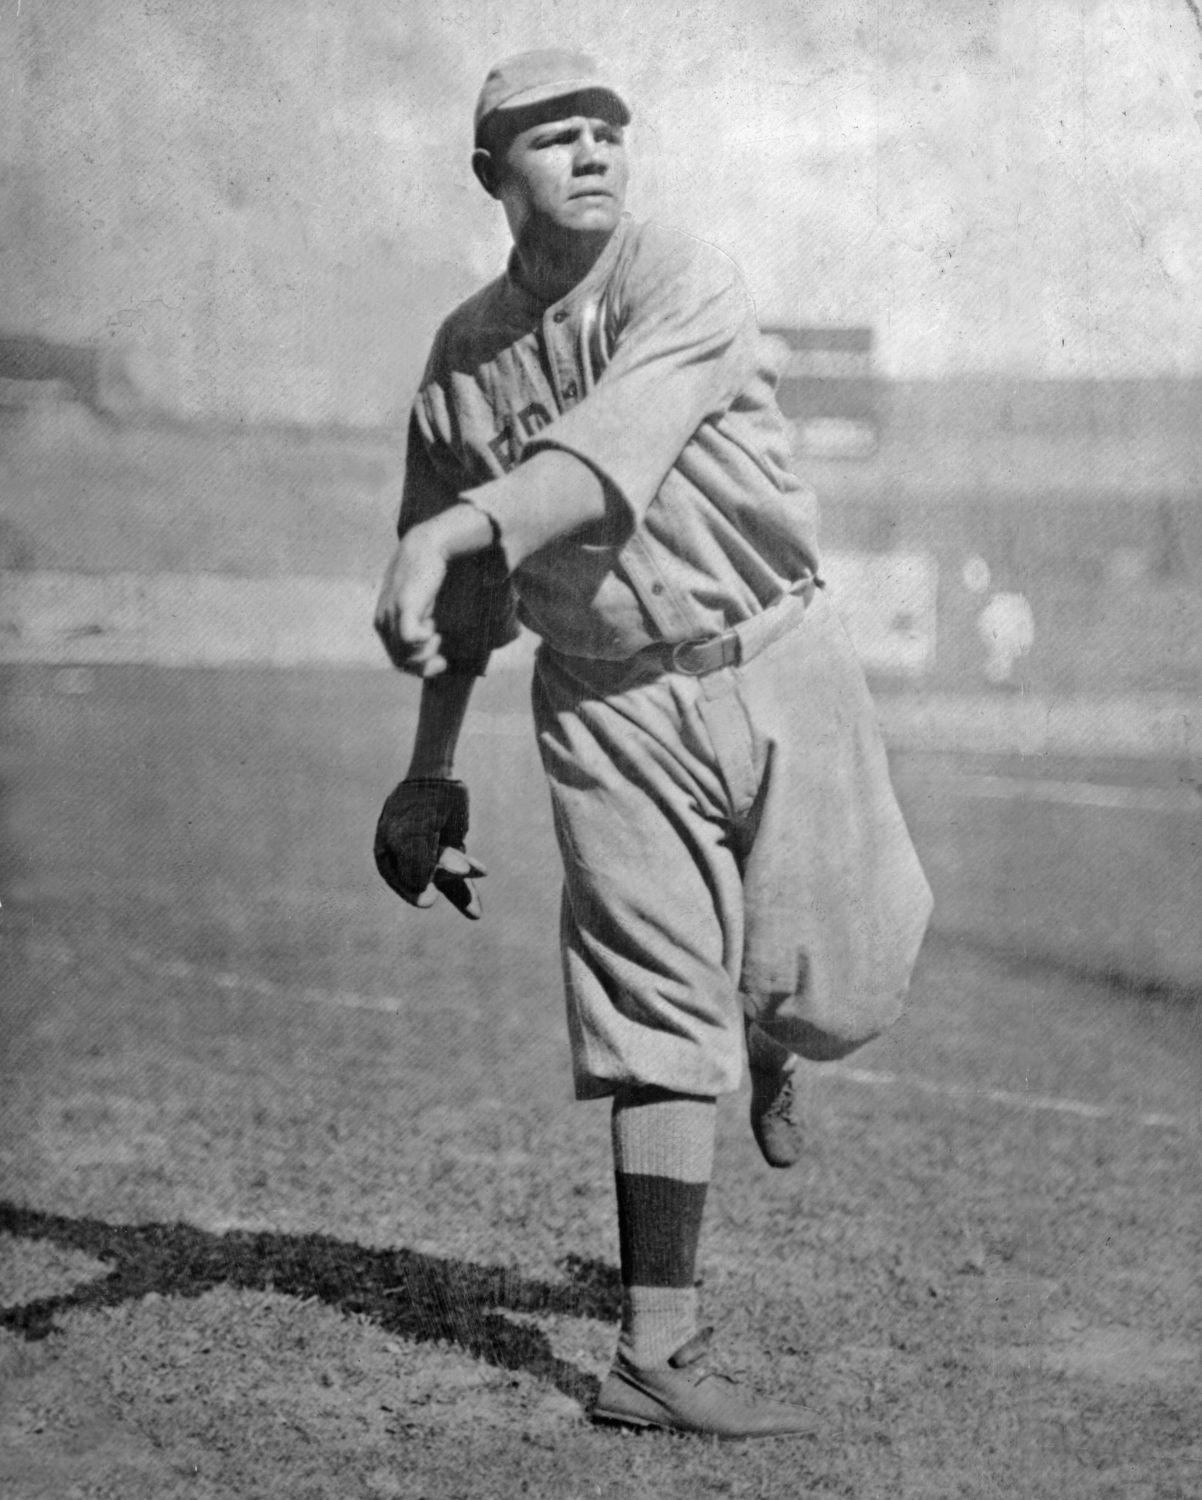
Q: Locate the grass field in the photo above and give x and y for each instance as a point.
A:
(294, 1201)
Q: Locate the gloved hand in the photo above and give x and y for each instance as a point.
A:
(420, 841)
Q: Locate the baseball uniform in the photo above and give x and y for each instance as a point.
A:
(730, 838)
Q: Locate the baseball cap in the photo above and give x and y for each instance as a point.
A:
(535, 77)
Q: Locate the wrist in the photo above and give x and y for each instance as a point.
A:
(433, 759)
(421, 542)
(430, 771)
(455, 532)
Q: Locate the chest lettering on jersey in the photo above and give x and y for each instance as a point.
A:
(506, 447)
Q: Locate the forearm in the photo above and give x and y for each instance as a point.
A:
(455, 532)
(405, 620)
(444, 704)
(551, 495)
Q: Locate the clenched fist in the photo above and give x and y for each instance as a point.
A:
(404, 618)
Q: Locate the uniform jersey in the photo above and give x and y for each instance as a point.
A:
(731, 844)
(650, 371)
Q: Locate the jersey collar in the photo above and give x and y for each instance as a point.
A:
(597, 272)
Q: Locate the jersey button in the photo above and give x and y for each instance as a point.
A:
(657, 588)
(569, 391)
(560, 316)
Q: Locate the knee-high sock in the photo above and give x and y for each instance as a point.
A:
(663, 1159)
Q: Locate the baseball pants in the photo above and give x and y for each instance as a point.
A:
(732, 847)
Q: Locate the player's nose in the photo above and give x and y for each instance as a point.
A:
(592, 154)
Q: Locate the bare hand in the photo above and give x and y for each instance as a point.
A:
(405, 609)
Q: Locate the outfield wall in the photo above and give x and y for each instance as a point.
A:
(1078, 505)
(238, 547)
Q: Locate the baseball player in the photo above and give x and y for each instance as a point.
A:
(595, 451)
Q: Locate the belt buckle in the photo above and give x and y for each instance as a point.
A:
(722, 651)
(678, 665)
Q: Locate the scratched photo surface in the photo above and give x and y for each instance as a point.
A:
(295, 1199)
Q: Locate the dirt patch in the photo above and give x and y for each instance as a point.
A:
(1126, 1356)
(261, 1243)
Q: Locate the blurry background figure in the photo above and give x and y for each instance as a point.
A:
(1006, 625)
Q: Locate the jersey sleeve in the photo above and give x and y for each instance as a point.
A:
(684, 350)
(476, 609)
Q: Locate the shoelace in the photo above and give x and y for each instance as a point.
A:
(731, 1377)
(695, 1351)
(785, 1098)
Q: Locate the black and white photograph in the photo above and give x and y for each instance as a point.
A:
(600, 750)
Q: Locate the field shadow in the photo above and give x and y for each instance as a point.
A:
(1118, 984)
(413, 1296)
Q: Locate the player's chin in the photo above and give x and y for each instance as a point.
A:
(592, 211)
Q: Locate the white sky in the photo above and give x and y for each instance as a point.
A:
(274, 201)
(1015, 185)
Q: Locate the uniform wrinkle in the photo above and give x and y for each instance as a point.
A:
(730, 841)
(723, 835)
(662, 340)
(744, 832)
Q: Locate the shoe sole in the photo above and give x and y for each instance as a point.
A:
(779, 1159)
(620, 1419)
(646, 1424)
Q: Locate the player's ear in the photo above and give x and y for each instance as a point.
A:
(485, 168)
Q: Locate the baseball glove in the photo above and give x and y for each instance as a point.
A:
(420, 840)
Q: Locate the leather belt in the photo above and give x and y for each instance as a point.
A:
(743, 641)
(696, 658)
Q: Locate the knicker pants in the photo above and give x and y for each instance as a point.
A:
(732, 847)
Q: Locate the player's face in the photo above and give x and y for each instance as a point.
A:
(564, 175)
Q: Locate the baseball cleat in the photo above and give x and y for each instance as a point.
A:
(776, 1113)
(684, 1396)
